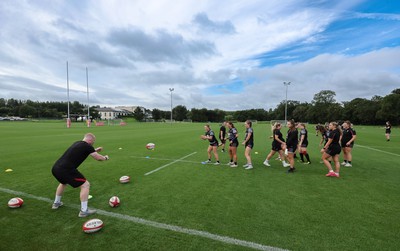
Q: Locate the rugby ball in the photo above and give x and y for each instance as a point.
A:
(114, 201)
(150, 146)
(124, 179)
(92, 226)
(15, 202)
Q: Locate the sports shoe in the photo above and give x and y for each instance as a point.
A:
(217, 163)
(291, 170)
(245, 165)
(207, 161)
(331, 174)
(266, 163)
(348, 164)
(86, 213)
(56, 205)
(233, 165)
(249, 167)
(285, 164)
(230, 163)
(223, 150)
(307, 163)
(343, 163)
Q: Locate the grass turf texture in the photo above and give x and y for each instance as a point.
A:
(301, 211)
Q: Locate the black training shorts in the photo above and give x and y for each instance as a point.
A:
(71, 177)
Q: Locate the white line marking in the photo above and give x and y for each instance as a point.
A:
(152, 158)
(204, 234)
(370, 148)
(161, 167)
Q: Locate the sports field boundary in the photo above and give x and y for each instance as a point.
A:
(188, 231)
(173, 162)
(378, 150)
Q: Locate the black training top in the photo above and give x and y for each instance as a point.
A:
(305, 133)
(251, 140)
(280, 136)
(335, 136)
(232, 135)
(223, 130)
(74, 155)
(292, 138)
(213, 140)
(347, 135)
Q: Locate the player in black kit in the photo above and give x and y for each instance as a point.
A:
(332, 149)
(233, 144)
(222, 134)
(347, 142)
(248, 144)
(65, 170)
(209, 134)
(292, 140)
(303, 143)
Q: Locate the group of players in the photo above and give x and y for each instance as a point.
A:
(335, 139)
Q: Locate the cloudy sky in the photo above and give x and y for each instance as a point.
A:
(224, 54)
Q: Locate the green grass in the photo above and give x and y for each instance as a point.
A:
(301, 211)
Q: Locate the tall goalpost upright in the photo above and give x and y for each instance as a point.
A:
(68, 117)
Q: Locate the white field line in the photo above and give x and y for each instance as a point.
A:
(151, 158)
(161, 167)
(377, 150)
(204, 234)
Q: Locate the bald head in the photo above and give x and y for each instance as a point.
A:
(89, 138)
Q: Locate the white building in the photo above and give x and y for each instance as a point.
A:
(107, 113)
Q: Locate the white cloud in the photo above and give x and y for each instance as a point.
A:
(136, 50)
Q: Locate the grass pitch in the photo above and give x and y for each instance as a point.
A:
(265, 206)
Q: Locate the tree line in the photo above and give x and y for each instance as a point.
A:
(322, 108)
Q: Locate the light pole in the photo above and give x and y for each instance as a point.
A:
(171, 90)
(286, 84)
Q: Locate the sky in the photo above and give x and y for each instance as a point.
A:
(228, 55)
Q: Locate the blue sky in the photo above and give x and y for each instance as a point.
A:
(230, 55)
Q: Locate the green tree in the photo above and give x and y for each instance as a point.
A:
(138, 113)
(179, 113)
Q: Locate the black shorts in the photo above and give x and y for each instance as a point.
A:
(214, 144)
(304, 145)
(71, 177)
(387, 132)
(234, 144)
(333, 150)
(251, 145)
(276, 147)
(351, 145)
(291, 149)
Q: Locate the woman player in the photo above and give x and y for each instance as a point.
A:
(292, 140)
(209, 134)
(278, 145)
(303, 143)
(347, 142)
(248, 144)
(233, 144)
(388, 130)
(332, 149)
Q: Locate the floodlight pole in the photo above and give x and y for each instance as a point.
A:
(286, 84)
(171, 90)
(87, 88)
(68, 118)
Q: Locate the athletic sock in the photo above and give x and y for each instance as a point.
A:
(349, 162)
(308, 157)
(84, 205)
(302, 157)
(57, 199)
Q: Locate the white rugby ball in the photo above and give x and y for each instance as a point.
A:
(15, 202)
(114, 201)
(124, 179)
(92, 226)
(150, 146)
